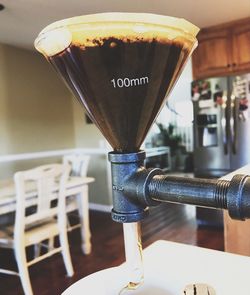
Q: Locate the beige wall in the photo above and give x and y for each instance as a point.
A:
(86, 135)
(35, 107)
(4, 138)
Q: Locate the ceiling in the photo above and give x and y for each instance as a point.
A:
(22, 20)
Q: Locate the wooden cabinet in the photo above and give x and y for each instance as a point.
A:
(236, 236)
(241, 46)
(222, 50)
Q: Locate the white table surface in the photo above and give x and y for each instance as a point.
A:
(169, 267)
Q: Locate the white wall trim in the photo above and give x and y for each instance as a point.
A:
(36, 155)
(100, 207)
(47, 154)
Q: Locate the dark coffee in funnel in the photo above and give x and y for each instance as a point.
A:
(122, 83)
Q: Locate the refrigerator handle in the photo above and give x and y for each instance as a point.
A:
(224, 124)
(233, 122)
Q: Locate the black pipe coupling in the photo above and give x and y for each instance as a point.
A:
(135, 188)
(238, 197)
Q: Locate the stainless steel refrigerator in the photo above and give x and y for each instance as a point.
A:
(221, 124)
(221, 132)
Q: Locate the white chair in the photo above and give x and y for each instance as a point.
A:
(43, 221)
(79, 202)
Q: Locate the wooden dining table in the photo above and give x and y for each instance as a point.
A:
(75, 185)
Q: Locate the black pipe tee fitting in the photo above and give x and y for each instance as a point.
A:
(123, 168)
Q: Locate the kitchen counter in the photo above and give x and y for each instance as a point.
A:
(242, 170)
(157, 151)
(158, 157)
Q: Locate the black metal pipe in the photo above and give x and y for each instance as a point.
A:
(233, 195)
(194, 191)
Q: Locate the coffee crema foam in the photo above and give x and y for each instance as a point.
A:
(92, 30)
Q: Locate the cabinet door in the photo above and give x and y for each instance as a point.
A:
(236, 235)
(213, 54)
(241, 47)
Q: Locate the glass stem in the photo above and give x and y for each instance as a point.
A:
(133, 254)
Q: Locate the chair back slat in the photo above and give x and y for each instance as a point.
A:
(45, 187)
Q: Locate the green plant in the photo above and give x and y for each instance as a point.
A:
(168, 137)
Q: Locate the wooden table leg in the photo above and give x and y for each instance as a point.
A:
(83, 208)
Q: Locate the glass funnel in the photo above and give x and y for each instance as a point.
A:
(120, 66)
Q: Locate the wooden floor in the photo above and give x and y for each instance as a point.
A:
(167, 221)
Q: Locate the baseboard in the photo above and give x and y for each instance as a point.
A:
(100, 207)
